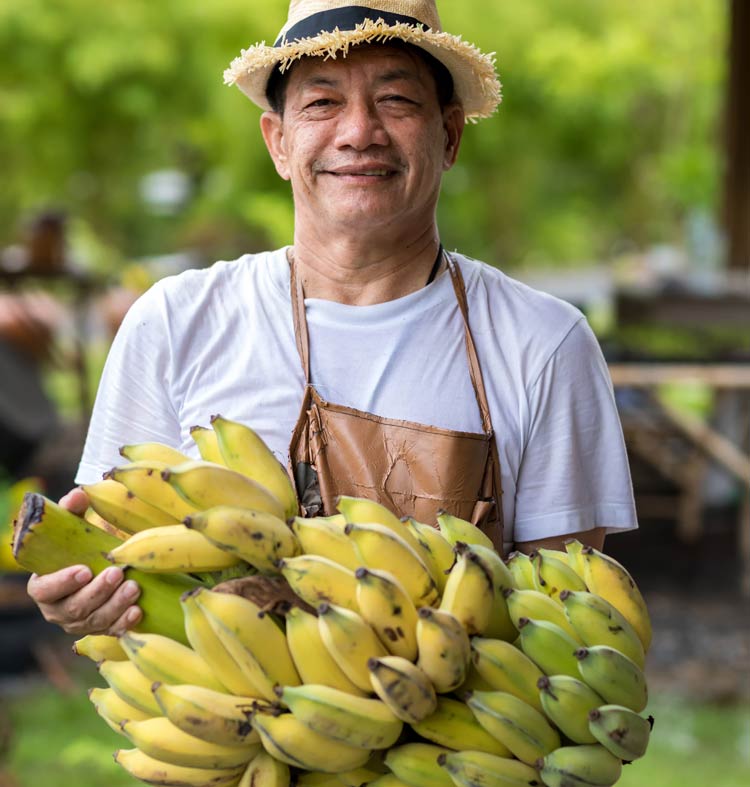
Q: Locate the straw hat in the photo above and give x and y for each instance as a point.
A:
(325, 28)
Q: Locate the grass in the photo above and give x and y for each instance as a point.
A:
(59, 740)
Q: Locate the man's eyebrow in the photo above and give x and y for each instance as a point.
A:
(398, 73)
(388, 76)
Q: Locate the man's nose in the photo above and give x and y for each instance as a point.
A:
(360, 126)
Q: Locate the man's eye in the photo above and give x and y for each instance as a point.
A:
(320, 102)
(398, 98)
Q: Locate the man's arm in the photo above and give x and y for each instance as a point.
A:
(594, 538)
(80, 603)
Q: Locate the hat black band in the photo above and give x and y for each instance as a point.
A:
(346, 18)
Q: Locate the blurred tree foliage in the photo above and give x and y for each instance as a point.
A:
(609, 134)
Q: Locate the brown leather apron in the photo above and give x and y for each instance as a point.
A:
(413, 469)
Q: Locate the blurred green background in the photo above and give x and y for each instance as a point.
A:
(607, 154)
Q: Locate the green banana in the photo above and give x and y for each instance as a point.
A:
(455, 530)
(379, 547)
(444, 648)
(417, 764)
(386, 606)
(403, 687)
(287, 739)
(567, 702)
(586, 765)
(454, 726)
(549, 647)
(351, 641)
(244, 451)
(607, 578)
(621, 731)
(317, 579)
(356, 721)
(212, 716)
(614, 676)
(507, 668)
(515, 723)
(153, 771)
(597, 622)
(535, 605)
(47, 537)
(552, 573)
(479, 769)
(160, 739)
(522, 570)
(259, 538)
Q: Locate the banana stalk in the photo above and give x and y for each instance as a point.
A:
(47, 537)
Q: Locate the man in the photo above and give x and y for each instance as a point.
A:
(399, 372)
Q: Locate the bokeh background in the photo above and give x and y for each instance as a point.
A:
(616, 174)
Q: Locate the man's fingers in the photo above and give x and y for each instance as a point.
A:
(76, 501)
(52, 588)
(127, 620)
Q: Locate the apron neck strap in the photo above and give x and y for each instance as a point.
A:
(300, 320)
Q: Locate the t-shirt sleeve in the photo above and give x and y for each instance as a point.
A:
(134, 402)
(574, 473)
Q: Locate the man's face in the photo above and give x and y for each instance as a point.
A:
(363, 140)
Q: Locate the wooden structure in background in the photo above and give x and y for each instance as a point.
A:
(737, 181)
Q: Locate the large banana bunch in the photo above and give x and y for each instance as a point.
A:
(399, 653)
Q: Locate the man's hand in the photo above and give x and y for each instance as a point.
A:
(80, 604)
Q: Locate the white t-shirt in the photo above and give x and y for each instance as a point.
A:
(221, 340)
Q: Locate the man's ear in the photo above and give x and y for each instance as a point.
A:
(454, 121)
(272, 128)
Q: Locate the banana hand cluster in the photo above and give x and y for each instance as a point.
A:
(411, 655)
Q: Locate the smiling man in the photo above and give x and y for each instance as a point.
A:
(372, 362)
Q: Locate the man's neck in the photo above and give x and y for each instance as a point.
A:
(363, 272)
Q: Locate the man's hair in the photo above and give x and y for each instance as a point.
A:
(277, 82)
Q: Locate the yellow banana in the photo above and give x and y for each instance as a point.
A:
(567, 702)
(479, 769)
(597, 622)
(244, 451)
(381, 548)
(116, 504)
(573, 549)
(144, 480)
(319, 536)
(208, 444)
(356, 721)
(287, 739)
(456, 530)
(506, 668)
(113, 708)
(417, 764)
(454, 726)
(171, 549)
(469, 592)
(152, 452)
(607, 578)
(130, 684)
(549, 647)
(500, 625)
(152, 771)
(310, 655)
(523, 729)
(553, 574)
(252, 638)
(536, 605)
(160, 739)
(257, 537)
(317, 779)
(360, 511)
(209, 715)
(318, 579)
(98, 647)
(440, 548)
(351, 642)
(206, 485)
(621, 731)
(357, 777)
(520, 566)
(388, 780)
(403, 687)
(206, 642)
(164, 659)
(587, 765)
(386, 606)
(265, 771)
(614, 676)
(444, 648)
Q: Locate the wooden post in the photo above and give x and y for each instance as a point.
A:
(737, 167)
